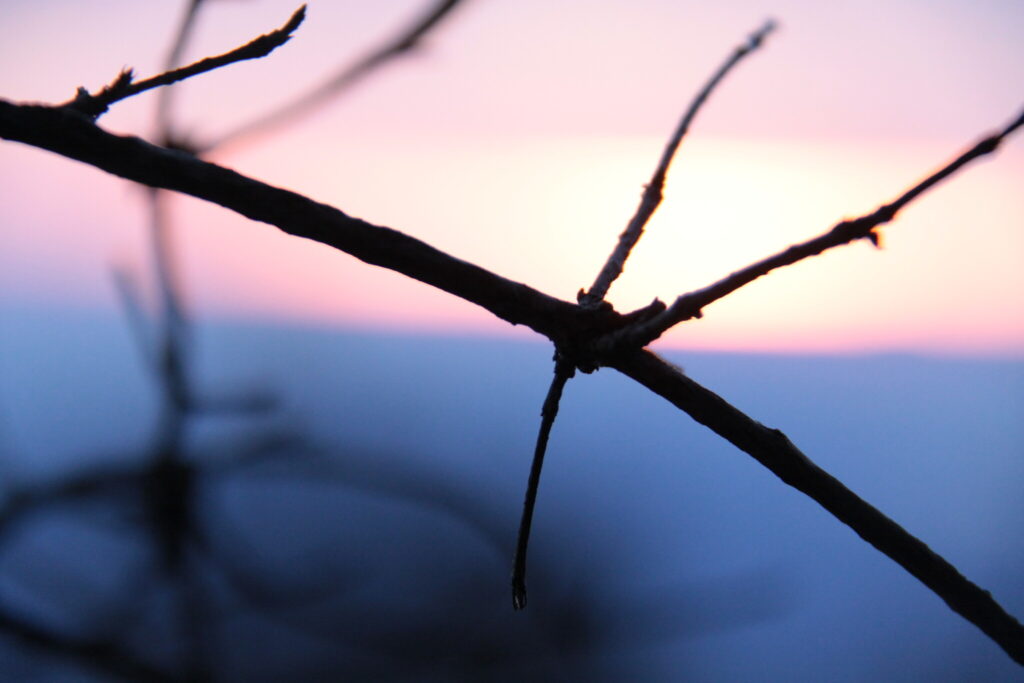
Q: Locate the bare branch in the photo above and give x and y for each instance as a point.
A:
(564, 371)
(123, 86)
(77, 137)
(345, 78)
(771, 448)
(653, 191)
(690, 305)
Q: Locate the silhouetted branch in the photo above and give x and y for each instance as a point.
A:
(690, 305)
(653, 191)
(123, 86)
(345, 78)
(773, 449)
(564, 371)
(75, 136)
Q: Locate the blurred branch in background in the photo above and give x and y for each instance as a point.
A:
(345, 77)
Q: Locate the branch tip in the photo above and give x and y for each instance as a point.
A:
(1017, 123)
(653, 190)
(268, 42)
(758, 37)
(124, 87)
(518, 593)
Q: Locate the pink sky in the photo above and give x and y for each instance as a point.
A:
(520, 141)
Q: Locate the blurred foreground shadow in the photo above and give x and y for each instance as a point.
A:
(294, 563)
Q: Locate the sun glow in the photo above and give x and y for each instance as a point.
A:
(547, 213)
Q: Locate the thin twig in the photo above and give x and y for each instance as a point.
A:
(342, 80)
(564, 371)
(653, 191)
(124, 86)
(773, 449)
(690, 305)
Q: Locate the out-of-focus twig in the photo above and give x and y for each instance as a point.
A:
(652, 195)
(173, 60)
(346, 77)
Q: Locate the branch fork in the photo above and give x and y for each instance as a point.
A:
(587, 353)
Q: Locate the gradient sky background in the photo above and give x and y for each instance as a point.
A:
(520, 140)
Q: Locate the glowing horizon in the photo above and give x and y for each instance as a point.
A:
(544, 206)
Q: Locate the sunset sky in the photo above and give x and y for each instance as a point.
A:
(520, 140)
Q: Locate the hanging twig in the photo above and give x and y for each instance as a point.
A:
(564, 371)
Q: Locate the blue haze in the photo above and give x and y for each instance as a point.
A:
(664, 552)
